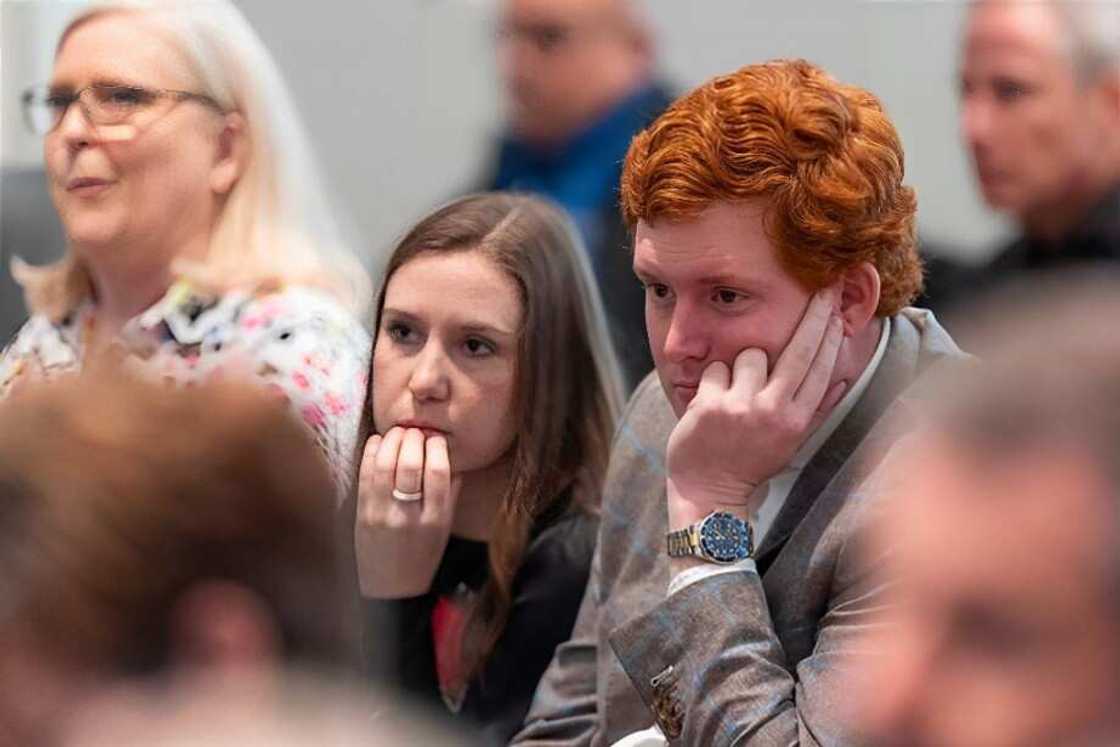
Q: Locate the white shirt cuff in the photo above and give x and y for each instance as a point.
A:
(651, 737)
(698, 573)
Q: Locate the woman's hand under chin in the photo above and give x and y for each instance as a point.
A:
(399, 543)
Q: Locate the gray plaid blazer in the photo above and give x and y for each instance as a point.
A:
(739, 657)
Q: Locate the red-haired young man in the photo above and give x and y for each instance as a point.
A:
(775, 240)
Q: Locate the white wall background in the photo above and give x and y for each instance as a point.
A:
(402, 98)
(28, 31)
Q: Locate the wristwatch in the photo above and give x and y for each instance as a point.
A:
(720, 537)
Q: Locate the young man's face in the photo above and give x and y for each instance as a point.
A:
(714, 286)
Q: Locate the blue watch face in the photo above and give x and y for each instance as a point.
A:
(725, 538)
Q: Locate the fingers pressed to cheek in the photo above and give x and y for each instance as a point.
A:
(822, 305)
(833, 339)
(795, 361)
(715, 379)
(826, 301)
(749, 375)
(816, 384)
(410, 462)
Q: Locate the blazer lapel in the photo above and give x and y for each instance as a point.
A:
(895, 371)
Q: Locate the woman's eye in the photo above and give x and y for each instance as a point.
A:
(400, 332)
(60, 101)
(124, 96)
(727, 297)
(478, 348)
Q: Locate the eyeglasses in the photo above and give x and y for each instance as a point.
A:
(103, 105)
(546, 38)
(556, 38)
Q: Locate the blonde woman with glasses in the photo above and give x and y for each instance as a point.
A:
(199, 240)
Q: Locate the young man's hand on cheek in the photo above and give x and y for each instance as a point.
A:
(744, 426)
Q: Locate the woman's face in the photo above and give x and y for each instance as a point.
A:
(155, 182)
(446, 355)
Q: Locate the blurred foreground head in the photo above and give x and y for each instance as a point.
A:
(1005, 537)
(147, 530)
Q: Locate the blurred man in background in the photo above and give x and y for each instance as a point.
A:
(1005, 532)
(1040, 115)
(579, 83)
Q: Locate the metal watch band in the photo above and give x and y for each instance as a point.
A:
(692, 541)
(684, 542)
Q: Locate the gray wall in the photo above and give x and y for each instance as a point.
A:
(402, 99)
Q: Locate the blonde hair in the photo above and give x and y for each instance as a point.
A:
(277, 225)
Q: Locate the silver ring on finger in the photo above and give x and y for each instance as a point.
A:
(400, 495)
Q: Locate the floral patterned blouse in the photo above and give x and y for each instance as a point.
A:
(297, 340)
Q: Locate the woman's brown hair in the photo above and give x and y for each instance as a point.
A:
(569, 390)
(118, 496)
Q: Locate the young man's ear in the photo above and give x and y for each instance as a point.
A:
(859, 297)
(232, 154)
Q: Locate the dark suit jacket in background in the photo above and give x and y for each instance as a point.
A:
(1094, 239)
(29, 228)
(1094, 242)
(751, 655)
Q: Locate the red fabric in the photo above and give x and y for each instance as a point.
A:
(448, 621)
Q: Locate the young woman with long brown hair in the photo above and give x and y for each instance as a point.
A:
(494, 396)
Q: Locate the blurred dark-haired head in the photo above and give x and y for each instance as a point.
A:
(150, 530)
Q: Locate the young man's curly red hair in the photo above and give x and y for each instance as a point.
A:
(824, 155)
